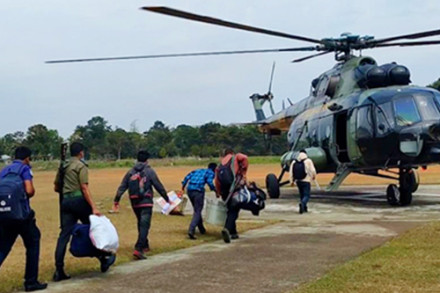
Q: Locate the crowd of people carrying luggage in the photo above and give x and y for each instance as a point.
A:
(228, 181)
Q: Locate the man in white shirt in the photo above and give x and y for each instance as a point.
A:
(302, 171)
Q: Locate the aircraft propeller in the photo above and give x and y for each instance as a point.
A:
(346, 43)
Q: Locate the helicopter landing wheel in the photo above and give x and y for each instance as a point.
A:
(393, 195)
(408, 183)
(272, 186)
(415, 179)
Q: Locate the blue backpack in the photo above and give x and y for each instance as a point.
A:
(14, 202)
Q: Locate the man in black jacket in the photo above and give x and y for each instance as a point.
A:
(140, 181)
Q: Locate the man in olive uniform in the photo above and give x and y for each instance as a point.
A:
(77, 205)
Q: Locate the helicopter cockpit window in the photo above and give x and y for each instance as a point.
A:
(437, 97)
(322, 86)
(364, 123)
(406, 111)
(384, 120)
(427, 106)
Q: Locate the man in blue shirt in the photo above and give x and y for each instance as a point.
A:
(27, 228)
(196, 181)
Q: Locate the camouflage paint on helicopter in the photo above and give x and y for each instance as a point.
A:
(365, 123)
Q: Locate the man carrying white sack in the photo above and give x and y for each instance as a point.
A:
(77, 205)
(140, 181)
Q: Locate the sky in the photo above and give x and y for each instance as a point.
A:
(192, 90)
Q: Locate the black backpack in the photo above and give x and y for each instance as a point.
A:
(136, 187)
(299, 170)
(14, 203)
(226, 177)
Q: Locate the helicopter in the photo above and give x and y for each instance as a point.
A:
(359, 117)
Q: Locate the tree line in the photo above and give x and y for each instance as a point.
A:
(106, 142)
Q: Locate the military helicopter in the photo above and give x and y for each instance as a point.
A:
(360, 117)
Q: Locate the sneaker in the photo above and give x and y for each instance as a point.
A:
(305, 209)
(139, 255)
(301, 209)
(146, 250)
(202, 231)
(60, 275)
(35, 286)
(234, 236)
(192, 236)
(226, 236)
(106, 262)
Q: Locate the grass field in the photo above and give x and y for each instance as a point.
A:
(409, 263)
(167, 233)
(166, 162)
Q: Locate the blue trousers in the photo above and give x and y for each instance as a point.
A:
(30, 234)
(304, 191)
(197, 199)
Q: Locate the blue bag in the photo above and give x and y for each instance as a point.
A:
(14, 202)
(251, 199)
(81, 245)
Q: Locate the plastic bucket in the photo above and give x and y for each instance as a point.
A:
(215, 212)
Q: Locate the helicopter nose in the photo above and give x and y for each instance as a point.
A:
(434, 131)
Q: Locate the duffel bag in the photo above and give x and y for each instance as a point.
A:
(81, 245)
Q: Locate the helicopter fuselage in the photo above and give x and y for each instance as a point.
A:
(391, 126)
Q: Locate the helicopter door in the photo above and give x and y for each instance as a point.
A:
(341, 137)
(365, 133)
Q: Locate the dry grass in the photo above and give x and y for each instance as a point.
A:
(167, 233)
(409, 263)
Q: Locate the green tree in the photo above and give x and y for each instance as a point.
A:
(10, 141)
(435, 84)
(94, 136)
(184, 137)
(43, 142)
(159, 140)
(118, 139)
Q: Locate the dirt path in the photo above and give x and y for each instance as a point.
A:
(276, 258)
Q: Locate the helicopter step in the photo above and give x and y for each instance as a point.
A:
(342, 172)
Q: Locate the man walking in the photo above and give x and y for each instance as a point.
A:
(302, 170)
(196, 181)
(77, 205)
(140, 181)
(229, 177)
(20, 172)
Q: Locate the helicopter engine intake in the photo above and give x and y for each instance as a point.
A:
(396, 74)
(373, 76)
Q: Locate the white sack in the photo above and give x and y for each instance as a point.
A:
(103, 234)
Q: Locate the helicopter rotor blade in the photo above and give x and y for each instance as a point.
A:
(216, 21)
(407, 44)
(269, 93)
(310, 57)
(408, 36)
(271, 78)
(312, 48)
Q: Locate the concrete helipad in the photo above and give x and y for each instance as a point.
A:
(277, 258)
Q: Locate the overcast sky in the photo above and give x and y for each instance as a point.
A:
(192, 90)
